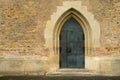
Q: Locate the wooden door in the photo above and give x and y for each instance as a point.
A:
(71, 45)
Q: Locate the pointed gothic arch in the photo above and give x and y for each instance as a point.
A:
(81, 20)
(88, 23)
(58, 26)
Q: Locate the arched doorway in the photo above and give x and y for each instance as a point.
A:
(71, 45)
(53, 29)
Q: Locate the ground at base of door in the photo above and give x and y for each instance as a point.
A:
(60, 78)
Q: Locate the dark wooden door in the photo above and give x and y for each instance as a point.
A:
(71, 45)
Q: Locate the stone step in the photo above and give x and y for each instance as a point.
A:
(73, 72)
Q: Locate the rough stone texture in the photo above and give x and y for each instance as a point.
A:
(107, 12)
(22, 24)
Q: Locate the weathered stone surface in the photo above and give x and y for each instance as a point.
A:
(22, 24)
(22, 66)
(22, 29)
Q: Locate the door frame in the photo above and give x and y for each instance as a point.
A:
(86, 30)
(90, 27)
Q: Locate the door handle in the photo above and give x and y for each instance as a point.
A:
(68, 50)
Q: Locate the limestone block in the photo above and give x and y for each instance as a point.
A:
(110, 65)
(105, 66)
(22, 66)
(92, 63)
(14, 65)
(116, 66)
(11, 66)
(35, 66)
(2, 65)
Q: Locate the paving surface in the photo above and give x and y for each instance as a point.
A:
(60, 78)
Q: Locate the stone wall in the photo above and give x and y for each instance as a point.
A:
(22, 25)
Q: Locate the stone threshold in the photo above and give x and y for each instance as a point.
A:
(72, 72)
(77, 72)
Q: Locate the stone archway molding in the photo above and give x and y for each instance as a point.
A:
(90, 27)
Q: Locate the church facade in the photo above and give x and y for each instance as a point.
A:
(39, 37)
